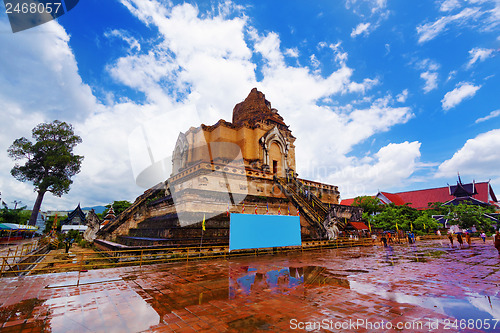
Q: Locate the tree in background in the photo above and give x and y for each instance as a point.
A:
(49, 223)
(118, 207)
(50, 162)
(69, 238)
(369, 204)
(466, 216)
(437, 208)
(16, 215)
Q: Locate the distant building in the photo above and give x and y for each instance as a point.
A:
(76, 217)
(40, 223)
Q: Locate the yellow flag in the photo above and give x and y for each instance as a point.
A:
(203, 223)
(411, 226)
(369, 226)
(397, 229)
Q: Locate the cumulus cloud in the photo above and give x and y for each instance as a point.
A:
(478, 158)
(361, 28)
(479, 54)
(293, 52)
(40, 83)
(456, 96)
(390, 167)
(493, 114)
(429, 74)
(200, 60)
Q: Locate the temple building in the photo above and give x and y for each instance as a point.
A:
(76, 217)
(481, 194)
(244, 166)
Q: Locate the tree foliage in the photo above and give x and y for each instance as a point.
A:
(392, 217)
(466, 216)
(17, 216)
(118, 208)
(369, 204)
(49, 162)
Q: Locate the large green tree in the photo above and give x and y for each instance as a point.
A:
(370, 205)
(49, 161)
(467, 216)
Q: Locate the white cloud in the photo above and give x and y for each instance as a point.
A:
(493, 114)
(361, 28)
(201, 60)
(456, 96)
(429, 31)
(478, 158)
(390, 167)
(372, 6)
(430, 80)
(121, 34)
(314, 61)
(293, 52)
(479, 54)
(479, 15)
(428, 65)
(40, 83)
(401, 98)
(451, 75)
(449, 5)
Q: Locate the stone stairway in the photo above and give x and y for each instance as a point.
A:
(310, 205)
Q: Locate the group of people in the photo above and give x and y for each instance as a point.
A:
(468, 239)
(387, 238)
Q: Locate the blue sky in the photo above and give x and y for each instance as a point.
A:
(381, 95)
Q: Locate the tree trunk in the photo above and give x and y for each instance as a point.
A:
(36, 207)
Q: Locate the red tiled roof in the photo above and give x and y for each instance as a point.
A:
(419, 199)
(394, 198)
(347, 202)
(359, 225)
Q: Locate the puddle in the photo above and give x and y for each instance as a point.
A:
(475, 306)
(24, 310)
(74, 283)
(283, 280)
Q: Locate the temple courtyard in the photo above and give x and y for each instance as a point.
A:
(423, 287)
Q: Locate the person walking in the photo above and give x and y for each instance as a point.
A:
(497, 241)
(468, 239)
(450, 236)
(483, 236)
(384, 240)
(460, 240)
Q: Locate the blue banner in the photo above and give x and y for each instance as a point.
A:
(250, 231)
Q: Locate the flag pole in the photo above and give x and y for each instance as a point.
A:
(202, 231)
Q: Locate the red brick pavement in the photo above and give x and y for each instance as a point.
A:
(415, 285)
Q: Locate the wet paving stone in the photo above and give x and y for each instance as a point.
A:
(424, 287)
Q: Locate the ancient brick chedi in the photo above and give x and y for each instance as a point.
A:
(244, 166)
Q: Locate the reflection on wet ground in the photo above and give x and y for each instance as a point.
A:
(427, 281)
